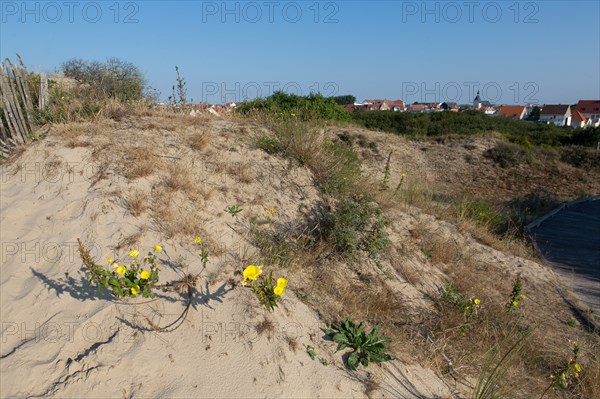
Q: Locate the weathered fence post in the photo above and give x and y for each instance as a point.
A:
(43, 91)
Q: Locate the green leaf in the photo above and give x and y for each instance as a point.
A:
(352, 361)
(340, 339)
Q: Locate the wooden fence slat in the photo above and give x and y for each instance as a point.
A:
(24, 89)
(25, 129)
(43, 98)
(8, 112)
(9, 109)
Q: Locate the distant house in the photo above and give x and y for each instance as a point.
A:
(397, 106)
(479, 103)
(447, 106)
(591, 110)
(349, 107)
(559, 114)
(417, 108)
(579, 120)
(513, 111)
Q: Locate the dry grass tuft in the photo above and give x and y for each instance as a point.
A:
(139, 162)
(199, 141)
(137, 202)
(179, 178)
(266, 326)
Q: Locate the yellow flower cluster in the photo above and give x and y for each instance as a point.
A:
(270, 212)
(280, 288)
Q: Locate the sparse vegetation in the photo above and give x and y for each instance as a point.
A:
(357, 223)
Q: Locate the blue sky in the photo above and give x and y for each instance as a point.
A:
(515, 52)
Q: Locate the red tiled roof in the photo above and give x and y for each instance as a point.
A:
(577, 116)
(511, 111)
(589, 106)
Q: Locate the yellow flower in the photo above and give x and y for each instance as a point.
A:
(252, 272)
(198, 240)
(293, 114)
(403, 174)
(279, 290)
(281, 282)
(110, 260)
(578, 367)
(515, 303)
(134, 253)
(145, 275)
(157, 248)
(476, 301)
(135, 290)
(120, 269)
(522, 296)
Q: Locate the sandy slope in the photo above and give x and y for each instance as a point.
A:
(61, 338)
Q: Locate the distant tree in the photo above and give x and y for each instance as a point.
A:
(114, 78)
(346, 99)
(534, 115)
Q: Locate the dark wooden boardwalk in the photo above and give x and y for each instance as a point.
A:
(568, 240)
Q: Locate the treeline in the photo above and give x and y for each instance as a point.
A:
(474, 122)
(528, 134)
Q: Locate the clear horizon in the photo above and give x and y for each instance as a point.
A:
(513, 52)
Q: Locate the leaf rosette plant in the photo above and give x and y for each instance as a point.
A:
(366, 347)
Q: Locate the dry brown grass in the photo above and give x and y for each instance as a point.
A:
(179, 178)
(199, 141)
(136, 202)
(139, 162)
(129, 241)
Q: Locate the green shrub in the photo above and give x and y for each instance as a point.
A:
(507, 155)
(480, 212)
(311, 107)
(270, 145)
(581, 157)
(357, 223)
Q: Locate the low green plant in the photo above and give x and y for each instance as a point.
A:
(233, 210)
(268, 144)
(310, 351)
(481, 212)
(564, 376)
(357, 223)
(267, 291)
(469, 306)
(366, 347)
(139, 277)
(516, 295)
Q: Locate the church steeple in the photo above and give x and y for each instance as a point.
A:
(477, 101)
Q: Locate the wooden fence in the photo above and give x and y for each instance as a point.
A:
(16, 106)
